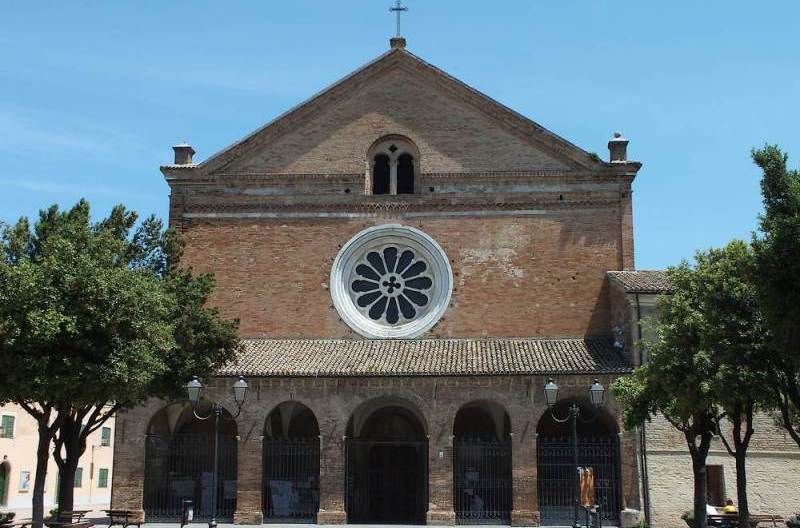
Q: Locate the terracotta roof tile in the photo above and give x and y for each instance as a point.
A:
(642, 281)
(425, 357)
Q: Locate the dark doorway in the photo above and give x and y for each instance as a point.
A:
(4, 477)
(380, 175)
(179, 461)
(405, 174)
(387, 469)
(598, 448)
(291, 464)
(482, 485)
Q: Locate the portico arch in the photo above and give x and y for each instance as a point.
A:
(179, 459)
(387, 448)
(483, 486)
(291, 464)
(598, 448)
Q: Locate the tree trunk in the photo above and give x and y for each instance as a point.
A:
(699, 454)
(66, 491)
(74, 445)
(700, 495)
(741, 487)
(40, 476)
(742, 442)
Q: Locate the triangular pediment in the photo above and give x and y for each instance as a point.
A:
(456, 128)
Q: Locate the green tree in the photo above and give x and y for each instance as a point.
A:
(735, 337)
(705, 373)
(677, 380)
(777, 249)
(96, 317)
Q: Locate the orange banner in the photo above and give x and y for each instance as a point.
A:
(587, 486)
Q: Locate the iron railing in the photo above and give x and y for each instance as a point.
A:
(557, 476)
(386, 481)
(291, 480)
(180, 467)
(482, 485)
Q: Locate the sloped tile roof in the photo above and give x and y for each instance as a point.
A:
(642, 281)
(426, 357)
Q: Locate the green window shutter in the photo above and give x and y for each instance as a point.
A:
(79, 477)
(105, 436)
(102, 478)
(8, 426)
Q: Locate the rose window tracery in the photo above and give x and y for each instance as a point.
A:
(391, 284)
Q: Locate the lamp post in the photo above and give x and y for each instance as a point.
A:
(195, 389)
(596, 396)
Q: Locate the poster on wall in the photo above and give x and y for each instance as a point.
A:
(24, 480)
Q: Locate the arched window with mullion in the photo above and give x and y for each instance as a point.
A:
(381, 175)
(405, 174)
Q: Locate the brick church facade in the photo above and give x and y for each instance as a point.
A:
(410, 261)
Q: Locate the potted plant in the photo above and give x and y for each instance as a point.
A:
(793, 521)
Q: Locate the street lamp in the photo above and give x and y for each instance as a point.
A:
(596, 396)
(194, 389)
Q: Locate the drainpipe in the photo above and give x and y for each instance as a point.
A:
(645, 473)
(642, 430)
(639, 329)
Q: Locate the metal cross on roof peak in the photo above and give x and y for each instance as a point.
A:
(398, 9)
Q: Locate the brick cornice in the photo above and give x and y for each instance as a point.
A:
(254, 178)
(377, 206)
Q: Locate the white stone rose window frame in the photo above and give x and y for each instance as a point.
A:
(391, 282)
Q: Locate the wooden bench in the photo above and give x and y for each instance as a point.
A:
(70, 519)
(21, 523)
(732, 519)
(123, 518)
(69, 524)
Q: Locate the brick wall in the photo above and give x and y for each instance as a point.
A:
(773, 465)
(527, 276)
(451, 136)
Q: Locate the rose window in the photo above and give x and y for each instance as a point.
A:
(391, 284)
(391, 281)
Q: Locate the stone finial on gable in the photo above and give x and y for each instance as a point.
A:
(397, 43)
(183, 153)
(618, 148)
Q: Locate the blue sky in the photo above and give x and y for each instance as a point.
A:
(93, 94)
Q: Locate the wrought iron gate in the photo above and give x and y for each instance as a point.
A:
(387, 481)
(482, 485)
(291, 480)
(557, 475)
(179, 468)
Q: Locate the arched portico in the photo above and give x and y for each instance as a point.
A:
(387, 464)
(291, 464)
(179, 459)
(483, 487)
(598, 449)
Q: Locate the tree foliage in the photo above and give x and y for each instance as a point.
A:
(777, 250)
(706, 363)
(97, 316)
